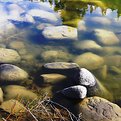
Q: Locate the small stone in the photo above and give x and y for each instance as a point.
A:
(11, 73)
(75, 92)
(13, 107)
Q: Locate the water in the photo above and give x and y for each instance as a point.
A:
(22, 21)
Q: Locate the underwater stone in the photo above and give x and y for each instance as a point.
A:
(9, 56)
(16, 45)
(89, 61)
(106, 37)
(75, 92)
(13, 107)
(55, 55)
(12, 73)
(60, 32)
(99, 109)
(18, 92)
(88, 45)
(1, 95)
(53, 78)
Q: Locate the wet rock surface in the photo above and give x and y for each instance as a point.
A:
(99, 109)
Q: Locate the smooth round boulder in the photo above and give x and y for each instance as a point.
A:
(75, 92)
(13, 107)
(12, 73)
(18, 92)
(86, 78)
(9, 56)
(99, 109)
(89, 60)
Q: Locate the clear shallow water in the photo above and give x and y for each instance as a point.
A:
(26, 24)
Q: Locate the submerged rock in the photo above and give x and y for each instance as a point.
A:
(1, 96)
(106, 37)
(16, 45)
(55, 55)
(18, 92)
(53, 78)
(13, 107)
(75, 92)
(60, 32)
(9, 56)
(99, 109)
(12, 73)
(113, 60)
(88, 45)
(89, 60)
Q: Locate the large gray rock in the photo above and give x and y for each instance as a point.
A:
(106, 37)
(60, 32)
(9, 56)
(89, 60)
(18, 92)
(99, 109)
(12, 73)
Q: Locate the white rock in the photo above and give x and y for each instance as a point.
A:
(86, 78)
(75, 92)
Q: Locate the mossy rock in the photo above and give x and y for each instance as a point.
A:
(13, 107)
(18, 92)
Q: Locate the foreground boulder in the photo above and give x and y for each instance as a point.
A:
(60, 32)
(89, 60)
(18, 92)
(13, 107)
(106, 37)
(9, 56)
(99, 109)
(12, 73)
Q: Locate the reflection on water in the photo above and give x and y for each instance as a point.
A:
(96, 45)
